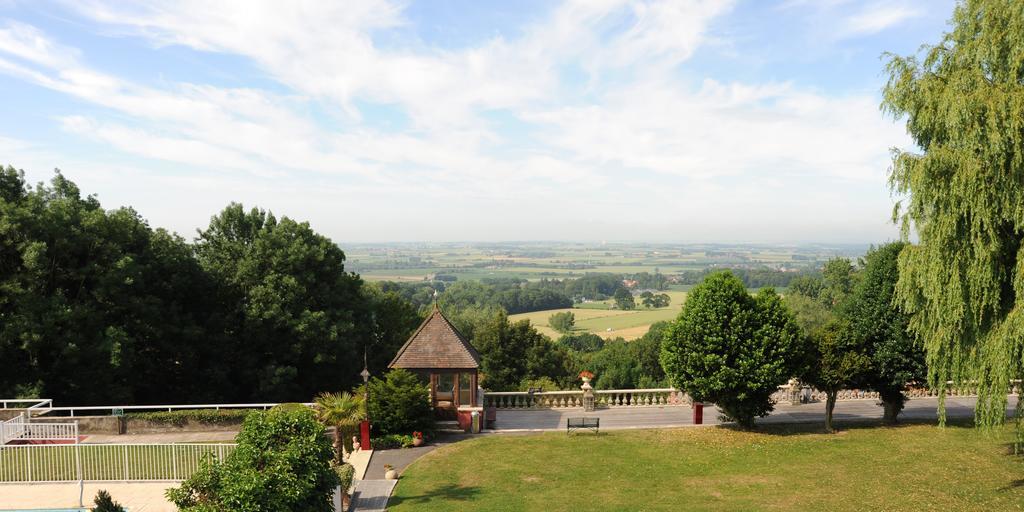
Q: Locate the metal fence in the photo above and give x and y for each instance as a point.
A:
(12, 429)
(19, 428)
(105, 462)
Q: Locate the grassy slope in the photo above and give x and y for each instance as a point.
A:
(907, 468)
(596, 318)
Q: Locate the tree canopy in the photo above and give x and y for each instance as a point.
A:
(731, 348)
(97, 307)
(963, 195)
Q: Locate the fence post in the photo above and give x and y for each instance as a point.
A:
(125, 462)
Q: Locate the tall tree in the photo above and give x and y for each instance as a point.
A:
(299, 319)
(98, 307)
(877, 325)
(837, 362)
(514, 352)
(963, 283)
(733, 349)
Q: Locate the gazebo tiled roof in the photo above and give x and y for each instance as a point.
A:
(436, 344)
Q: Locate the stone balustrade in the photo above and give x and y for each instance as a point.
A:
(639, 397)
(789, 393)
(574, 399)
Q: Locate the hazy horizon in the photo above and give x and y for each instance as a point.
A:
(380, 121)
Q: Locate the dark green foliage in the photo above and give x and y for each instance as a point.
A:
(562, 321)
(594, 286)
(963, 283)
(627, 365)
(806, 285)
(624, 299)
(516, 352)
(346, 473)
(653, 300)
(181, 417)
(582, 342)
(751, 277)
(512, 295)
(104, 503)
(301, 315)
(392, 441)
(881, 328)
(400, 404)
(835, 361)
(732, 349)
(97, 307)
(394, 319)
(282, 463)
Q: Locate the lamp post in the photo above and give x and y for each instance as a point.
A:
(364, 427)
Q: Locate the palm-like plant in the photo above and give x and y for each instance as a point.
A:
(343, 411)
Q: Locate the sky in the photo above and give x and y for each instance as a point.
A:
(378, 120)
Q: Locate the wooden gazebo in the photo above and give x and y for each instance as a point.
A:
(438, 352)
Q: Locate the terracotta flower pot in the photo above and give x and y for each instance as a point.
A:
(417, 441)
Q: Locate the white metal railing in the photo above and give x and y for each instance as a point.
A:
(12, 429)
(36, 403)
(571, 399)
(107, 410)
(105, 462)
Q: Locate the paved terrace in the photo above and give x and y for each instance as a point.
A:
(530, 420)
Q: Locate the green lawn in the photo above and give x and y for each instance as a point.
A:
(907, 468)
(597, 318)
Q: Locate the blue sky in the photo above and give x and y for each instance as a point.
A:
(376, 120)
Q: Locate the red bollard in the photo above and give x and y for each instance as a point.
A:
(364, 435)
(698, 413)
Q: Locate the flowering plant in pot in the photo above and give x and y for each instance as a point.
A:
(390, 473)
(417, 438)
(586, 375)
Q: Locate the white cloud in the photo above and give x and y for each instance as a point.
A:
(878, 17)
(636, 123)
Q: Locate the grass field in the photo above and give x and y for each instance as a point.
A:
(559, 260)
(597, 318)
(907, 468)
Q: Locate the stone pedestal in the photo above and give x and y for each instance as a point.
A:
(588, 395)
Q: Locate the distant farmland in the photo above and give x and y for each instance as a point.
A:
(597, 318)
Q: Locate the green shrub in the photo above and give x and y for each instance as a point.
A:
(345, 474)
(391, 441)
(281, 463)
(104, 503)
(181, 417)
(400, 404)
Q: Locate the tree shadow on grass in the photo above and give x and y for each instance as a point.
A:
(1013, 485)
(842, 425)
(447, 493)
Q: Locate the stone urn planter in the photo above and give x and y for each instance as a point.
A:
(390, 473)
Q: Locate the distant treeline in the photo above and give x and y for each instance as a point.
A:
(519, 295)
(751, 277)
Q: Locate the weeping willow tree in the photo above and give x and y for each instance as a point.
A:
(962, 192)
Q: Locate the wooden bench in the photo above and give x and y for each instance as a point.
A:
(572, 424)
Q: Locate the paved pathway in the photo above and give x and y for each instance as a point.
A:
(399, 458)
(136, 496)
(372, 495)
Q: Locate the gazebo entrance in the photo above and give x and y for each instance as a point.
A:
(449, 390)
(444, 358)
